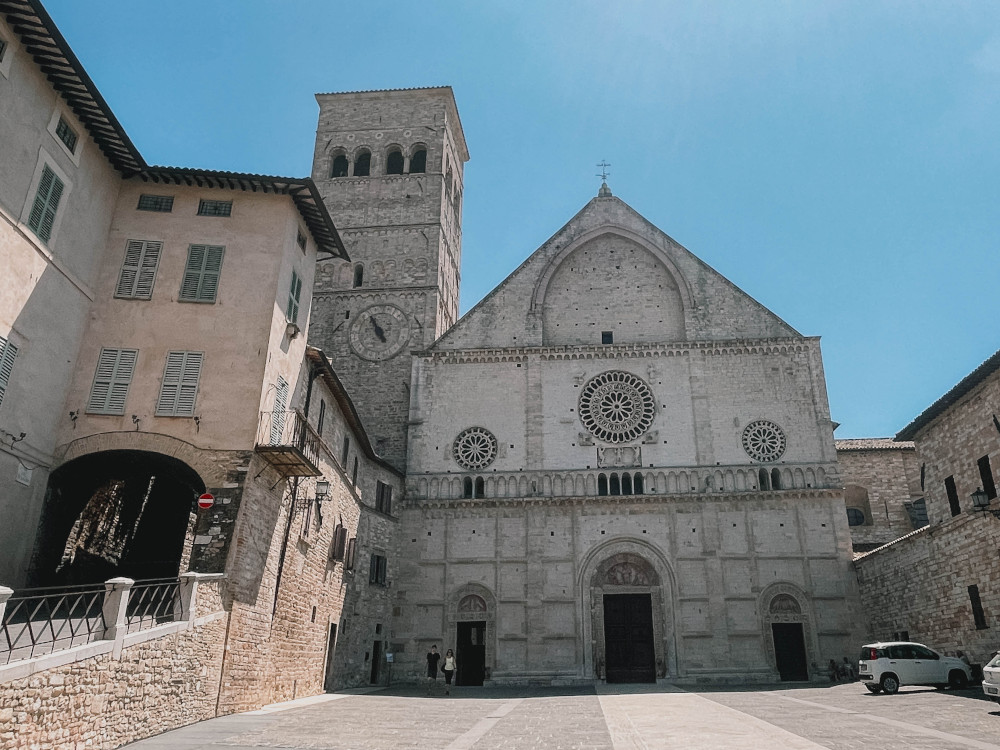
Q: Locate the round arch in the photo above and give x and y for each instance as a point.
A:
(627, 566)
(783, 602)
(473, 602)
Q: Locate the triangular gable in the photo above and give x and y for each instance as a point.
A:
(610, 270)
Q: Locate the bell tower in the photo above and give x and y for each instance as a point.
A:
(389, 165)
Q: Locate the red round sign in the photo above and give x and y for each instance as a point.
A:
(206, 501)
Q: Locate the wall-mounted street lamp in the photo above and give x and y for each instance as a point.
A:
(981, 502)
(322, 490)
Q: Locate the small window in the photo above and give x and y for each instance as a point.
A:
(615, 486)
(215, 208)
(855, 517)
(8, 351)
(637, 484)
(300, 239)
(346, 449)
(322, 416)
(978, 615)
(354, 472)
(352, 546)
(111, 381)
(626, 484)
(763, 480)
(179, 387)
(340, 165)
(480, 490)
(377, 570)
(467, 488)
(949, 486)
(383, 497)
(359, 275)
(164, 204)
(986, 474)
(607, 337)
(602, 484)
(294, 293)
(43, 210)
(394, 163)
(775, 479)
(363, 164)
(138, 271)
(418, 162)
(201, 275)
(66, 134)
(339, 546)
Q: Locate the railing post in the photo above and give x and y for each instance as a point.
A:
(188, 598)
(116, 592)
(5, 594)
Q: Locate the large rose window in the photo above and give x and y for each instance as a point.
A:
(617, 407)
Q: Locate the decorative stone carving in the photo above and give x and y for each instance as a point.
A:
(475, 448)
(618, 457)
(763, 441)
(785, 604)
(627, 574)
(616, 407)
(472, 603)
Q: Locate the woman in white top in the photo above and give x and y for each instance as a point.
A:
(450, 665)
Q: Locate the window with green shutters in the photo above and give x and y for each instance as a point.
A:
(43, 210)
(111, 381)
(294, 294)
(278, 412)
(179, 389)
(201, 275)
(135, 280)
(7, 353)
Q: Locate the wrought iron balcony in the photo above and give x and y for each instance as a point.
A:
(289, 443)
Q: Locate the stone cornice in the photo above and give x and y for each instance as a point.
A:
(622, 351)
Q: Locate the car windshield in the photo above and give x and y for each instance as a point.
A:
(995, 661)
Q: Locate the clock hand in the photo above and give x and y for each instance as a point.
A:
(378, 329)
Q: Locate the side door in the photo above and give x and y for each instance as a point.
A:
(901, 662)
(929, 666)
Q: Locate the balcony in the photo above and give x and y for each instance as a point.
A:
(289, 443)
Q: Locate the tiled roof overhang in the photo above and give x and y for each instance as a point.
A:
(967, 383)
(872, 444)
(42, 40)
(51, 52)
(302, 191)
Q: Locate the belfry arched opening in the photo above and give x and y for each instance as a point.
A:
(115, 513)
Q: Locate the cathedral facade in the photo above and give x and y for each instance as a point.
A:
(618, 464)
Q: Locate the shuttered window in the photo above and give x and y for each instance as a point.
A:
(201, 275)
(43, 210)
(138, 269)
(7, 353)
(292, 309)
(179, 389)
(278, 413)
(111, 381)
(383, 497)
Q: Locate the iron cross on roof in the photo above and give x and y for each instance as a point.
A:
(604, 171)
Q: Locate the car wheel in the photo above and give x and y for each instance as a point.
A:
(873, 688)
(957, 679)
(890, 684)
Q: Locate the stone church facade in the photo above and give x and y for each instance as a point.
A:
(618, 464)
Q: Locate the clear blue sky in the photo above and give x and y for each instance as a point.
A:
(839, 161)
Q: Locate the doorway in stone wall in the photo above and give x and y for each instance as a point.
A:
(628, 638)
(376, 662)
(330, 646)
(471, 653)
(790, 651)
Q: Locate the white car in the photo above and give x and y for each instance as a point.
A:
(885, 666)
(991, 678)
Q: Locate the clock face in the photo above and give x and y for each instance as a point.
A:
(380, 332)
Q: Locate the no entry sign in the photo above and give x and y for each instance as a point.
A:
(206, 501)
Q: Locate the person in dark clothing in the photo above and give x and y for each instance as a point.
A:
(433, 657)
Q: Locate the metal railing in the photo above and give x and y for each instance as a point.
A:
(42, 620)
(289, 429)
(152, 602)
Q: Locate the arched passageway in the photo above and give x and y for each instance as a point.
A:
(115, 513)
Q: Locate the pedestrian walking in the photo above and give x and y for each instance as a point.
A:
(834, 671)
(450, 665)
(433, 657)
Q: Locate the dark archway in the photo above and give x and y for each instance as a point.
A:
(114, 513)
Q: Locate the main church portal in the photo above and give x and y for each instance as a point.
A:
(628, 638)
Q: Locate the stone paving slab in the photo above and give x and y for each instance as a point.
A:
(647, 717)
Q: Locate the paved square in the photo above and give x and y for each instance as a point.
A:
(837, 717)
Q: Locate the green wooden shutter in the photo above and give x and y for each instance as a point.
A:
(115, 368)
(179, 387)
(201, 276)
(135, 281)
(43, 211)
(278, 413)
(294, 294)
(7, 353)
